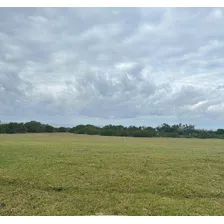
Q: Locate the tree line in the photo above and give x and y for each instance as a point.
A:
(164, 130)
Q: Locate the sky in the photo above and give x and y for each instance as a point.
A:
(129, 66)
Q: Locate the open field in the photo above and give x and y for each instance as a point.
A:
(67, 174)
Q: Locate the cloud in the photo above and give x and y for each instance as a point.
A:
(216, 14)
(141, 66)
(124, 66)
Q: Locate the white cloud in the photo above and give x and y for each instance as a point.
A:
(124, 66)
(216, 14)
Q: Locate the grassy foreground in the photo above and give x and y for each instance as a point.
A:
(67, 174)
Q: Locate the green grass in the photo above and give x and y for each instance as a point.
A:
(67, 174)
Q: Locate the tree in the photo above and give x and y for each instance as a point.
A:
(62, 129)
(34, 127)
(13, 127)
(165, 130)
(3, 128)
(220, 132)
(49, 128)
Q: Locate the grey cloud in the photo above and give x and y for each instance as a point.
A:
(115, 64)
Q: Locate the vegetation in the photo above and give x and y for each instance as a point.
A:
(165, 130)
(69, 174)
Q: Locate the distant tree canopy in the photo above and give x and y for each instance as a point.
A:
(62, 129)
(34, 127)
(164, 130)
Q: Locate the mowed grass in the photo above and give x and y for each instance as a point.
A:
(67, 174)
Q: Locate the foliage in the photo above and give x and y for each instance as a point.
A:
(34, 127)
(164, 130)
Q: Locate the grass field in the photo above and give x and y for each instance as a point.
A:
(67, 174)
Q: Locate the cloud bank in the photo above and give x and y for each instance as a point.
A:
(130, 66)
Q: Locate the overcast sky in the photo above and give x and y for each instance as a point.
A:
(129, 66)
